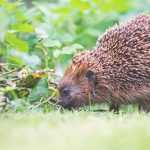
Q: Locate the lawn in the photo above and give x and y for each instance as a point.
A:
(75, 131)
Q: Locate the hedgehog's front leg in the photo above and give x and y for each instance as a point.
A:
(114, 107)
(144, 107)
(3, 102)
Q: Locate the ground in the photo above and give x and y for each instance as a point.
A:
(75, 131)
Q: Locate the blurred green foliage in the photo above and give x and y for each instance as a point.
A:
(45, 34)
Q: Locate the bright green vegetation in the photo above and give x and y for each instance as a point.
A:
(75, 131)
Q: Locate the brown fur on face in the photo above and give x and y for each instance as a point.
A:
(121, 64)
(80, 84)
(75, 82)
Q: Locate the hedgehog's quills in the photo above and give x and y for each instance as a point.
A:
(119, 68)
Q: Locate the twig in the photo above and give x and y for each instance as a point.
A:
(9, 72)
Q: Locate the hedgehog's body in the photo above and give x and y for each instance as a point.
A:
(121, 64)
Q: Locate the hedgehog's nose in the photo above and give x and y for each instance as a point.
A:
(61, 103)
(64, 104)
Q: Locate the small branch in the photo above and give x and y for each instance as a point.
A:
(9, 72)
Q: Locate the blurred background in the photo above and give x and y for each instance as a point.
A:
(44, 34)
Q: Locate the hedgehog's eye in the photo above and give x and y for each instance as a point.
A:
(90, 75)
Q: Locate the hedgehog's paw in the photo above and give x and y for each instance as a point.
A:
(144, 107)
(3, 102)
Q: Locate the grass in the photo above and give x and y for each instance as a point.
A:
(75, 131)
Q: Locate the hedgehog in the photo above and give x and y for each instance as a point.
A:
(116, 71)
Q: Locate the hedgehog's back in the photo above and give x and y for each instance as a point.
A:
(126, 49)
(126, 34)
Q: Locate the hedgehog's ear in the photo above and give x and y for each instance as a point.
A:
(90, 75)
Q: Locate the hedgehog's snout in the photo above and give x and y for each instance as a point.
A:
(70, 96)
(67, 103)
(61, 103)
(65, 99)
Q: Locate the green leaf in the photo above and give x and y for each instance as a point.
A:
(71, 49)
(115, 5)
(80, 4)
(56, 53)
(15, 60)
(39, 91)
(2, 1)
(61, 10)
(16, 42)
(23, 27)
(52, 43)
